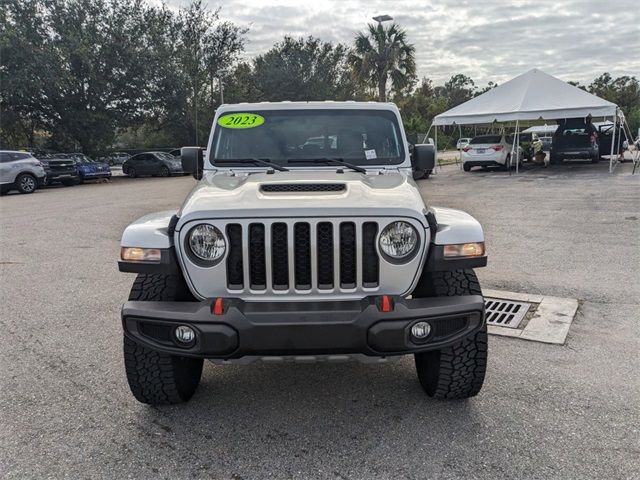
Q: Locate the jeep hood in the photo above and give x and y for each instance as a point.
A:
(349, 194)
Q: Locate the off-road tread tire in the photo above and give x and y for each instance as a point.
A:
(455, 372)
(154, 377)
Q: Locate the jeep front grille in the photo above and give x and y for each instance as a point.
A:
(324, 255)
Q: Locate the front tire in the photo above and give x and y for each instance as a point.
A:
(466, 167)
(458, 371)
(26, 183)
(154, 377)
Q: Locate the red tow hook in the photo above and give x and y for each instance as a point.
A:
(217, 307)
(386, 305)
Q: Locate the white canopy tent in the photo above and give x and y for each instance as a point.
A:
(534, 95)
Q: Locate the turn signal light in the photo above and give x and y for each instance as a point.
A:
(475, 249)
(136, 254)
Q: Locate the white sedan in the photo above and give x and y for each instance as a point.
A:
(461, 143)
(489, 151)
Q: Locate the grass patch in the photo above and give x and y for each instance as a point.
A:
(447, 161)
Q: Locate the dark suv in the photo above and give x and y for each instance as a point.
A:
(575, 138)
(60, 168)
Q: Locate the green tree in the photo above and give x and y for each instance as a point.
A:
(22, 56)
(458, 89)
(381, 55)
(303, 69)
(241, 85)
(80, 61)
(624, 91)
(188, 48)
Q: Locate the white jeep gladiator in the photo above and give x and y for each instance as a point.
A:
(306, 238)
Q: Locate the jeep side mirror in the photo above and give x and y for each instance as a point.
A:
(192, 161)
(424, 156)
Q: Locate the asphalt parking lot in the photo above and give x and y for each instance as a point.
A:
(545, 411)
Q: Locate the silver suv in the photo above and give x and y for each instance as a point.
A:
(20, 171)
(305, 239)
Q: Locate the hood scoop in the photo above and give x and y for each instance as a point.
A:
(302, 187)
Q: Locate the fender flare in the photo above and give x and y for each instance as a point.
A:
(152, 231)
(453, 227)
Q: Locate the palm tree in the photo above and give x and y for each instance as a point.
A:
(381, 54)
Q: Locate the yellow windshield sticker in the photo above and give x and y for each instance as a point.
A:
(240, 120)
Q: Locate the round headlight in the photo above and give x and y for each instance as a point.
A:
(398, 239)
(206, 242)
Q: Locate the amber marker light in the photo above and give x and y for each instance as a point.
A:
(137, 254)
(475, 249)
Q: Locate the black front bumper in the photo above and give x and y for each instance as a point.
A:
(57, 176)
(303, 328)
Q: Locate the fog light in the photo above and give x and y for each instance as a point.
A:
(185, 334)
(420, 330)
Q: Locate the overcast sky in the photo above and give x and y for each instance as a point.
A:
(489, 40)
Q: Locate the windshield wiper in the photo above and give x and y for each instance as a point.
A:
(255, 161)
(332, 161)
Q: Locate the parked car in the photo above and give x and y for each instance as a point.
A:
(60, 168)
(175, 152)
(20, 171)
(152, 163)
(331, 256)
(605, 137)
(461, 143)
(489, 151)
(575, 138)
(118, 158)
(89, 169)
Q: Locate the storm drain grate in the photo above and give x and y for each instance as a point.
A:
(505, 313)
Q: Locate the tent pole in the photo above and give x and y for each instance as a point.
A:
(430, 127)
(635, 154)
(513, 146)
(613, 141)
(436, 163)
(517, 148)
(459, 150)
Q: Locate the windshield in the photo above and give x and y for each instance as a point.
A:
(486, 139)
(360, 137)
